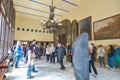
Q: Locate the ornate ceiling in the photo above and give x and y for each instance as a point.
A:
(39, 9)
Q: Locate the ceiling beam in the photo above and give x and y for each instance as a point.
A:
(48, 5)
(34, 9)
(67, 1)
(31, 8)
(30, 14)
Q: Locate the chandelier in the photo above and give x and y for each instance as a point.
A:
(51, 24)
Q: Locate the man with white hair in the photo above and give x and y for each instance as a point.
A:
(92, 59)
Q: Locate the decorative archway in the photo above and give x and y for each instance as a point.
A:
(74, 30)
(63, 33)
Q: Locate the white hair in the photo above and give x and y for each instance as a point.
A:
(18, 42)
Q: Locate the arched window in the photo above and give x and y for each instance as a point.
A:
(69, 31)
(74, 30)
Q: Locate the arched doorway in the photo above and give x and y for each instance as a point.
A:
(65, 32)
(74, 30)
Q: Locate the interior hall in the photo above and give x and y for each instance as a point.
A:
(59, 39)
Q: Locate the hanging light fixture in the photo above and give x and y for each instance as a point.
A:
(52, 22)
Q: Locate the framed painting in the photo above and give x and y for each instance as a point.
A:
(108, 28)
(85, 26)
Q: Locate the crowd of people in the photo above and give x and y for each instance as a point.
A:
(31, 52)
(113, 57)
(55, 53)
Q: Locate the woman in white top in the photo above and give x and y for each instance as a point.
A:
(48, 53)
(100, 56)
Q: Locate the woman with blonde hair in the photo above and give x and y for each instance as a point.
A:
(18, 53)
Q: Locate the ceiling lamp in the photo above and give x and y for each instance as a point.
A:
(52, 23)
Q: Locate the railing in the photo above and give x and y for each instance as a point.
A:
(4, 66)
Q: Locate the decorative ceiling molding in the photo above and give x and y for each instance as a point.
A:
(48, 5)
(34, 9)
(67, 1)
(30, 14)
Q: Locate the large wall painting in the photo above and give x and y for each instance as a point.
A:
(85, 26)
(108, 28)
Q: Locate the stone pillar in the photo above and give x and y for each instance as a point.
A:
(80, 57)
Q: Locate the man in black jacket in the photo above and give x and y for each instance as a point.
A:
(60, 52)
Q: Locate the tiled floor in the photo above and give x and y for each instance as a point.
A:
(48, 71)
